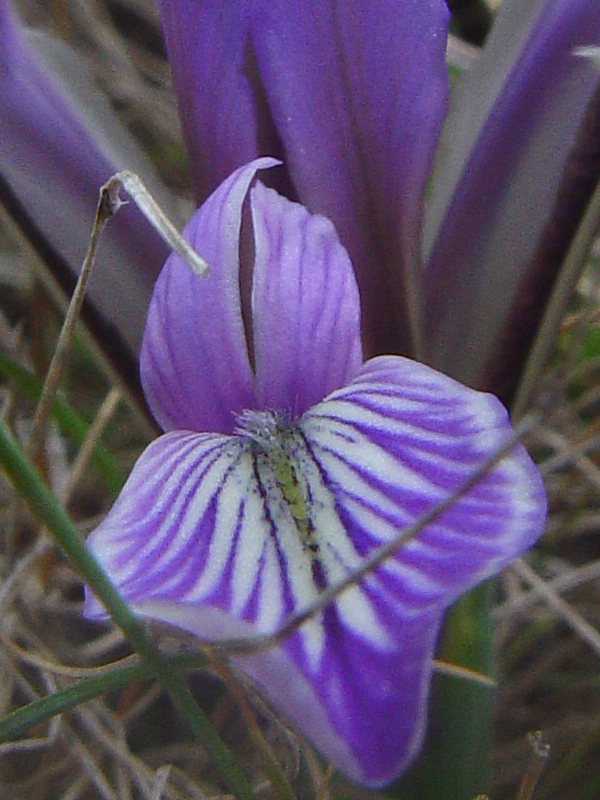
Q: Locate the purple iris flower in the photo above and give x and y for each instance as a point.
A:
(286, 460)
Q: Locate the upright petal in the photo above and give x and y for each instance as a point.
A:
(194, 363)
(352, 95)
(209, 60)
(501, 175)
(226, 535)
(56, 151)
(305, 306)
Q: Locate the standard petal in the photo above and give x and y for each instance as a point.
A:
(305, 306)
(59, 142)
(206, 45)
(350, 95)
(194, 361)
(506, 200)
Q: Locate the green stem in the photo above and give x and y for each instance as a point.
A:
(17, 723)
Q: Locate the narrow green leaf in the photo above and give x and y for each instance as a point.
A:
(18, 722)
(70, 422)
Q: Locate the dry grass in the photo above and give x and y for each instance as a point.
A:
(548, 626)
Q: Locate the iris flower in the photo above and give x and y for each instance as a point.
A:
(286, 460)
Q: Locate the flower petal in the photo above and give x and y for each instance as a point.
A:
(194, 361)
(350, 95)
(222, 536)
(305, 306)
(501, 176)
(59, 142)
(192, 541)
(206, 45)
(401, 438)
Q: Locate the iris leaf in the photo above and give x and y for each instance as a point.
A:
(18, 722)
(70, 422)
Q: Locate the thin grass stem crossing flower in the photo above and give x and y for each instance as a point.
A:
(286, 460)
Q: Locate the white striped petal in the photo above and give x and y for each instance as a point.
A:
(225, 535)
(393, 449)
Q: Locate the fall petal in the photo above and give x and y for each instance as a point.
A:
(400, 438)
(364, 707)
(305, 306)
(227, 535)
(188, 543)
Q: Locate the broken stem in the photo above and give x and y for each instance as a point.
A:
(108, 205)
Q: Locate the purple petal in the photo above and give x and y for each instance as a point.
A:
(351, 96)
(364, 708)
(206, 44)
(305, 306)
(188, 543)
(194, 361)
(57, 148)
(398, 440)
(498, 179)
(226, 535)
